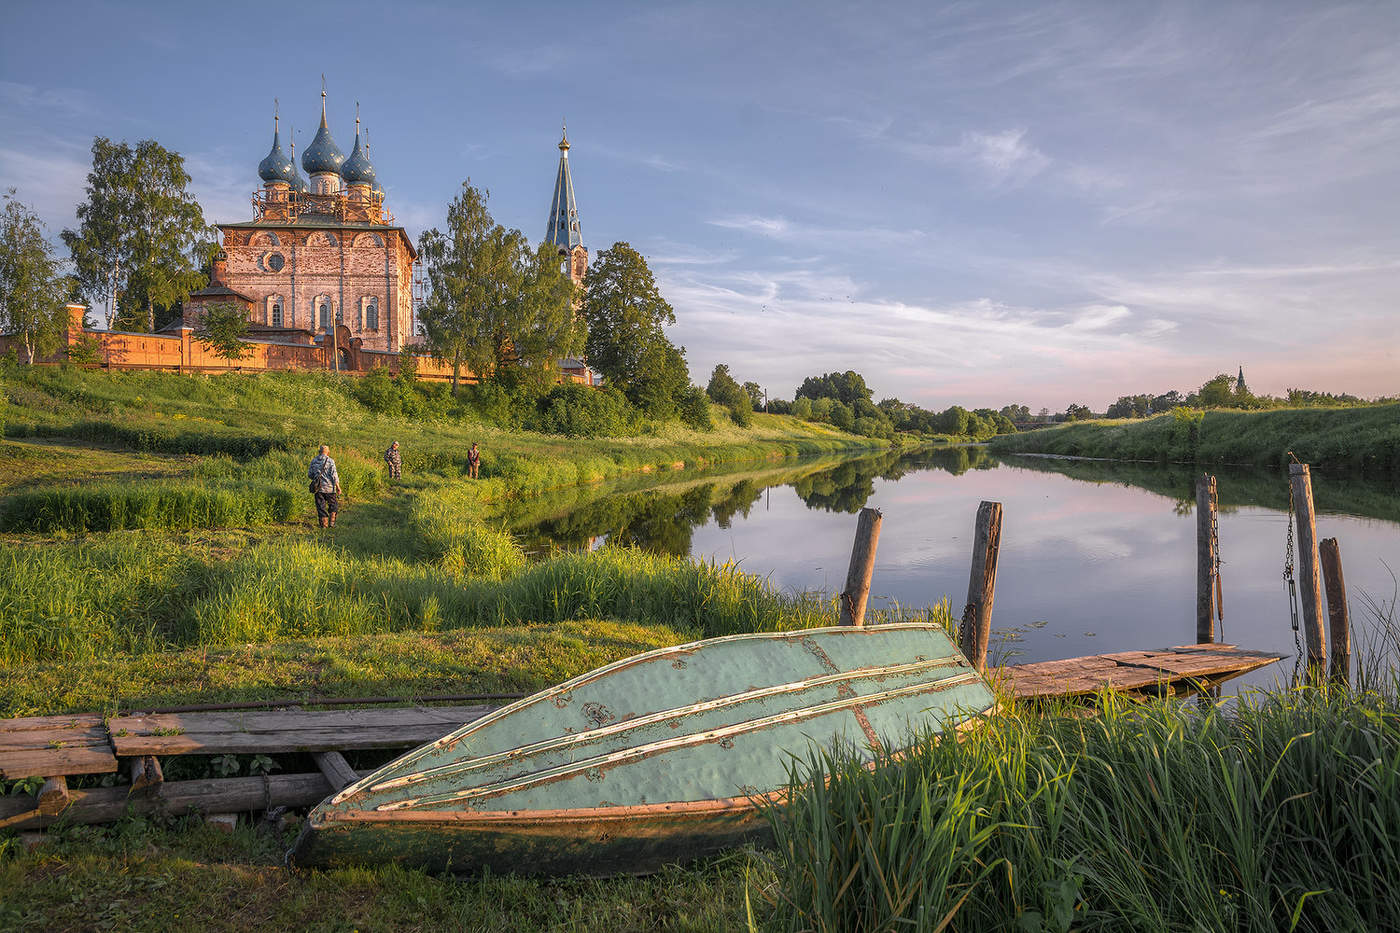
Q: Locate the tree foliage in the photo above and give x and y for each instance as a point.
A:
(495, 305)
(141, 239)
(31, 288)
(847, 387)
(625, 313)
(726, 391)
(222, 330)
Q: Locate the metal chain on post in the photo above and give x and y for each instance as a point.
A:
(1215, 549)
(1290, 585)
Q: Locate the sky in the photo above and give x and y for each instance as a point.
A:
(968, 203)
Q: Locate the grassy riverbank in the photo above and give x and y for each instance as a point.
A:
(1153, 817)
(1364, 438)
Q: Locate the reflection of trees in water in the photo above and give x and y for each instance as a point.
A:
(656, 521)
(739, 500)
(1351, 494)
(664, 521)
(848, 486)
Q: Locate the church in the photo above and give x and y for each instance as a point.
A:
(325, 256)
(320, 253)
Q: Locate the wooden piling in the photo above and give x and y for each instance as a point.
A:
(857, 591)
(981, 585)
(54, 796)
(1338, 617)
(146, 774)
(1206, 503)
(339, 774)
(1314, 636)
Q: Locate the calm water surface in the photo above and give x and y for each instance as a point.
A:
(1095, 557)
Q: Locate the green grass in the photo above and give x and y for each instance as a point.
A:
(504, 659)
(129, 594)
(146, 876)
(161, 505)
(1364, 438)
(1277, 813)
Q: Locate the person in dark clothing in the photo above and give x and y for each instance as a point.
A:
(395, 460)
(473, 460)
(325, 486)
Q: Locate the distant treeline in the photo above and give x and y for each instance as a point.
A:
(1362, 437)
(843, 400)
(1223, 391)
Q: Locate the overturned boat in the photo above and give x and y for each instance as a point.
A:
(662, 757)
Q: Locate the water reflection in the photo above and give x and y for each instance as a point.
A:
(1096, 556)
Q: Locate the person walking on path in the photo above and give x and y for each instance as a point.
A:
(395, 460)
(325, 486)
(473, 460)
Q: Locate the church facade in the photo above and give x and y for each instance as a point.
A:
(324, 256)
(322, 253)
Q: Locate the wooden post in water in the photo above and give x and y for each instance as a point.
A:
(1338, 618)
(857, 591)
(981, 585)
(1205, 559)
(1314, 637)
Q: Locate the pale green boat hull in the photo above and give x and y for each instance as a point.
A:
(661, 757)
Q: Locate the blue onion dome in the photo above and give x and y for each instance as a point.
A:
(277, 166)
(357, 169)
(323, 155)
(298, 183)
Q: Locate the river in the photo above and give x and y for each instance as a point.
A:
(1095, 556)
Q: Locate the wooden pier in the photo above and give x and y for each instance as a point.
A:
(58, 747)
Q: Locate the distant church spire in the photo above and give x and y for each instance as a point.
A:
(563, 229)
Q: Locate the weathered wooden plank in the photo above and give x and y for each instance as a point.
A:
(45, 762)
(1157, 672)
(64, 721)
(281, 720)
(290, 740)
(52, 738)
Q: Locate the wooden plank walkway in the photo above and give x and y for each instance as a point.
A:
(49, 746)
(1186, 668)
(44, 746)
(275, 731)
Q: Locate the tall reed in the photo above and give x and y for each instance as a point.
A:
(1279, 813)
(129, 593)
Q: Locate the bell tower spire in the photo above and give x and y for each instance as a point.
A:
(563, 229)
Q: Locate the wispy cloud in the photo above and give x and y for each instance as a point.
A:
(1005, 157)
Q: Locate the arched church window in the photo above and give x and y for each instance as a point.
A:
(274, 315)
(372, 314)
(323, 313)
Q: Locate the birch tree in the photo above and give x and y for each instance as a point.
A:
(31, 287)
(141, 239)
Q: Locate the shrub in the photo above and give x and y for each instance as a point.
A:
(694, 408)
(579, 411)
